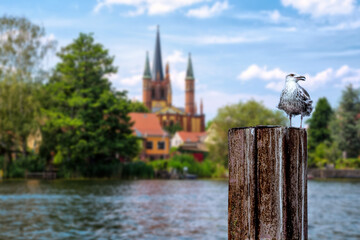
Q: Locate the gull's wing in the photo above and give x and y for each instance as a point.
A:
(304, 93)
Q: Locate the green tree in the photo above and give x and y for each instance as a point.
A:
(172, 129)
(319, 124)
(137, 106)
(23, 46)
(87, 124)
(246, 114)
(346, 124)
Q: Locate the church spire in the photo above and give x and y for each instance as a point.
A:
(147, 73)
(157, 64)
(189, 71)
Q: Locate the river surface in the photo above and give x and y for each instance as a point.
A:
(154, 209)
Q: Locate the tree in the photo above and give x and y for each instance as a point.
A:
(172, 129)
(88, 126)
(137, 106)
(246, 114)
(346, 126)
(23, 46)
(319, 124)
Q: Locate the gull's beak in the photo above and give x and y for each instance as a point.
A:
(302, 78)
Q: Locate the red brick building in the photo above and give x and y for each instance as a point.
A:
(157, 95)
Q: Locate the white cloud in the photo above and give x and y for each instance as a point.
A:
(138, 11)
(176, 57)
(130, 81)
(276, 77)
(342, 71)
(347, 25)
(319, 8)
(273, 16)
(151, 7)
(228, 39)
(178, 79)
(206, 11)
(177, 62)
(152, 28)
(254, 71)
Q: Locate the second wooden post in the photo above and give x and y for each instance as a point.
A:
(267, 183)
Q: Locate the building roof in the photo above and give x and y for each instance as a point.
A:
(147, 73)
(146, 124)
(191, 136)
(170, 110)
(157, 64)
(189, 71)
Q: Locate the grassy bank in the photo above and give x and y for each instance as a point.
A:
(177, 166)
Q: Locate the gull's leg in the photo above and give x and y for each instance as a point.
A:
(290, 119)
(301, 121)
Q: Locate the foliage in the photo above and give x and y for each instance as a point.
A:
(137, 106)
(179, 162)
(31, 163)
(159, 165)
(346, 126)
(204, 169)
(208, 124)
(349, 163)
(172, 129)
(250, 113)
(23, 46)
(22, 49)
(137, 169)
(318, 157)
(87, 122)
(319, 124)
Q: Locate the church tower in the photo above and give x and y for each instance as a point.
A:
(190, 89)
(147, 83)
(157, 94)
(156, 86)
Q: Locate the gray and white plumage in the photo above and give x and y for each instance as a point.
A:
(294, 99)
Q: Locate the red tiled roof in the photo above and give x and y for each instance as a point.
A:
(146, 124)
(191, 136)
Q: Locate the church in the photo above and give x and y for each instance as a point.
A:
(157, 94)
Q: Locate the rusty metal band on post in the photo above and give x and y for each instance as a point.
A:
(267, 183)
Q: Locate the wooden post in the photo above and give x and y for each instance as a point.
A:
(267, 183)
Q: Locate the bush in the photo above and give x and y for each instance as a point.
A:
(353, 163)
(19, 166)
(205, 169)
(179, 162)
(159, 165)
(136, 170)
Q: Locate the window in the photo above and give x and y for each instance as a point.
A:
(149, 145)
(153, 93)
(161, 145)
(162, 93)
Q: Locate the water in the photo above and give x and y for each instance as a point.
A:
(154, 209)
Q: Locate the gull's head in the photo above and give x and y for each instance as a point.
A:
(294, 78)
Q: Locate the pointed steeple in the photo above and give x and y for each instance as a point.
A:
(189, 71)
(147, 73)
(157, 64)
(201, 107)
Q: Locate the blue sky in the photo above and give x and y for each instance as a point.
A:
(240, 49)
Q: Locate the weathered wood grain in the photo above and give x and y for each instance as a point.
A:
(267, 183)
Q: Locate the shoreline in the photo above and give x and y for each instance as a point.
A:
(318, 173)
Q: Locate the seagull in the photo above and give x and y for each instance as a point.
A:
(294, 99)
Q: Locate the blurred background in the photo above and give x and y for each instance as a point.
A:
(114, 114)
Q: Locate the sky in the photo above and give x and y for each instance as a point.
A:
(240, 50)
